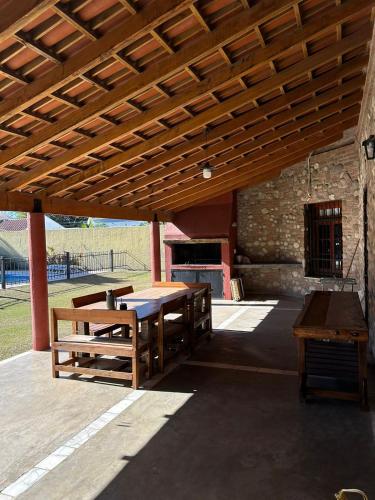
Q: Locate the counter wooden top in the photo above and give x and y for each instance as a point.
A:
(332, 315)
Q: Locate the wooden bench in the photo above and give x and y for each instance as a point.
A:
(200, 309)
(97, 348)
(201, 313)
(92, 298)
(174, 334)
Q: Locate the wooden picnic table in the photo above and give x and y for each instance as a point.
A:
(87, 351)
(147, 303)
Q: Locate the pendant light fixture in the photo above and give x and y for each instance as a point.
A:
(206, 170)
(205, 166)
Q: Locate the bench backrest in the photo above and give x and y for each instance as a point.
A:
(97, 316)
(91, 298)
(125, 290)
(176, 305)
(202, 300)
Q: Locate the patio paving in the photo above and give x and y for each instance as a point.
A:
(212, 429)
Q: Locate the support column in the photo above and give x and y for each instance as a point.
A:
(155, 251)
(38, 281)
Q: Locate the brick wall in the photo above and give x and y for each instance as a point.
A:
(271, 219)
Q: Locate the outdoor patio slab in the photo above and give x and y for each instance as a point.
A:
(216, 434)
(259, 334)
(38, 413)
(202, 433)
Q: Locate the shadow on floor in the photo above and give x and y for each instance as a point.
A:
(246, 436)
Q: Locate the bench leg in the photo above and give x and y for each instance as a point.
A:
(55, 361)
(135, 371)
(149, 361)
(161, 351)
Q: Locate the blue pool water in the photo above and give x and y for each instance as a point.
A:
(55, 272)
(17, 277)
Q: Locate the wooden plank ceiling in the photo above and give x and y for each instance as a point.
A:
(110, 107)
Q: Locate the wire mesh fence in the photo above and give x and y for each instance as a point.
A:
(15, 271)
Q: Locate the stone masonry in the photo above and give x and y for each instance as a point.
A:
(271, 219)
(366, 127)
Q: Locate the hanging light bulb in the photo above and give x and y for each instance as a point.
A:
(206, 170)
(206, 167)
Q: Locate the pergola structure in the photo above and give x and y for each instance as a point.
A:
(110, 107)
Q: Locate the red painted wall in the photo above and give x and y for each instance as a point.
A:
(213, 219)
(209, 220)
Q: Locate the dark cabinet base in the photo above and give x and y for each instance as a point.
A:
(215, 277)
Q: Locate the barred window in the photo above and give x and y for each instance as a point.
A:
(323, 241)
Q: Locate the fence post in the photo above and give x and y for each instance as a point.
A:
(111, 265)
(2, 271)
(67, 263)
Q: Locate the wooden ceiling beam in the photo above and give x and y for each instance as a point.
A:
(261, 159)
(72, 18)
(186, 56)
(243, 137)
(129, 6)
(25, 202)
(242, 183)
(244, 175)
(227, 127)
(15, 15)
(214, 112)
(153, 14)
(157, 193)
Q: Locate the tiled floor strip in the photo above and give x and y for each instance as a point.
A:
(33, 475)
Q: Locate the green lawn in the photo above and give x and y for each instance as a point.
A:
(15, 316)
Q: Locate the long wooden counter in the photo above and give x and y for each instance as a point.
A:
(332, 340)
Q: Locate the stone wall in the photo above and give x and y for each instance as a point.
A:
(135, 240)
(271, 219)
(366, 127)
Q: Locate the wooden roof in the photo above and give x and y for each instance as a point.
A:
(109, 107)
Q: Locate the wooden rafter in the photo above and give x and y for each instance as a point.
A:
(227, 184)
(157, 193)
(343, 46)
(151, 77)
(97, 121)
(217, 132)
(92, 54)
(262, 158)
(15, 15)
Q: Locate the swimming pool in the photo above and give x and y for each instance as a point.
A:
(55, 272)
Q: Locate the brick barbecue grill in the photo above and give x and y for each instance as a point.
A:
(199, 245)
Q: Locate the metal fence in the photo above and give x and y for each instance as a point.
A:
(15, 270)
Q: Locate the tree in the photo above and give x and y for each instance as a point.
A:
(69, 220)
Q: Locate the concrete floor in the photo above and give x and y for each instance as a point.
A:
(225, 424)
